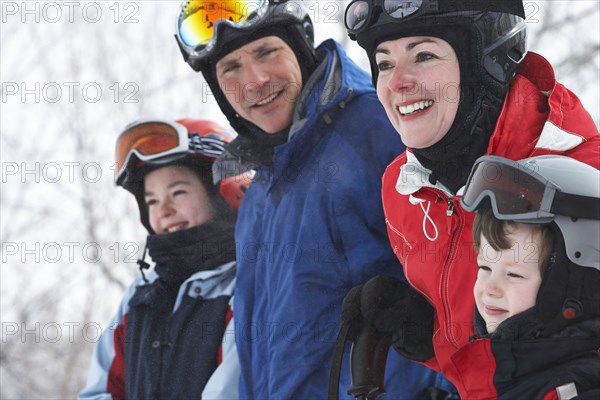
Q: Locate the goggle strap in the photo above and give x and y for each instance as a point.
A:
(208, 146)
(504, 6)
(577, 206)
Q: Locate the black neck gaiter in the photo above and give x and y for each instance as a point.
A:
(178, 255)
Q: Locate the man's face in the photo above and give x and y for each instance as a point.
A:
(262, 81)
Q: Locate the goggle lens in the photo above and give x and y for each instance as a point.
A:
(401, 8)
(357, 15)
(359, 12)
(514, 190)
(153, 138)
(197, 18)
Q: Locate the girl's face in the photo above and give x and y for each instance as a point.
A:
(508, 280)
(176, 199)
(418, 85)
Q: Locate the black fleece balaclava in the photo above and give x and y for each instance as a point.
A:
(481, 100)
(481, 96)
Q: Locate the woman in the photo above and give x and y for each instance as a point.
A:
(456, 83)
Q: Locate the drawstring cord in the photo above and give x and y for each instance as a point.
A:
(428, 218)
(414, 201)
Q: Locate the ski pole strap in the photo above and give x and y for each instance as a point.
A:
(336, 365)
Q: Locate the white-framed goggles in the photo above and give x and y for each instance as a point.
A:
(163, 141)
(519, 193)
(148, 140)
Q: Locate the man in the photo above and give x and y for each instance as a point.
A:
(311, 224)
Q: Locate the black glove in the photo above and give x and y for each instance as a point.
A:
(390, 305)
(351, 314)
(381, 311)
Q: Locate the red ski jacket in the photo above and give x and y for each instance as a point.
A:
(431, 234)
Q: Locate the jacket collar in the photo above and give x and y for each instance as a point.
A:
(414, 176)
(335, 82)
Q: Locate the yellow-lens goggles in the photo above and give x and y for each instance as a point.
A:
(197, 18)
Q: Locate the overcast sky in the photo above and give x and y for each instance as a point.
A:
(73, 74)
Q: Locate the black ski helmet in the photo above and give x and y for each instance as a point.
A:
(495, 27)
(148, 144)
(254, 19)
(488, 38)
(564, 193)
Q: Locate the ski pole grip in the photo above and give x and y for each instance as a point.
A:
(367, 363)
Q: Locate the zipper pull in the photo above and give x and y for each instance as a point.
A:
(450, 209)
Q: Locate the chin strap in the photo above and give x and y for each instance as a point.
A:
(575, 305)
(142, 263)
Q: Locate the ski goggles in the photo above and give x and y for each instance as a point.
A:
(197, 21)
(360, 14)
(519, 193)
(149, 140)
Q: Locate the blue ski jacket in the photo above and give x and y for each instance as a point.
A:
(309, 229)
(149, 353)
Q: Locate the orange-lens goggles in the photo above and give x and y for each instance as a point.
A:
(197, 18)
(149, 140)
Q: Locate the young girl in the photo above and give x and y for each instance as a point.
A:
(172, 336)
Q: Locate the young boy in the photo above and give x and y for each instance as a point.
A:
(537, 314)
(512, 258)
(537, 294)
(168, 339)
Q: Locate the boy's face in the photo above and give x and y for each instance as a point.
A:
(262, 81)
(508, 280)
(176, 199)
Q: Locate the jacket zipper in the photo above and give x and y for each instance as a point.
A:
(450, 209)
(450, 212)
